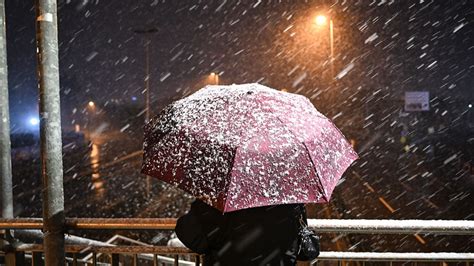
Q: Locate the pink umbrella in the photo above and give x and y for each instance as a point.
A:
(244, 146)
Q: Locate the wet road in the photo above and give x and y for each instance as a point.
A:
(103, 180)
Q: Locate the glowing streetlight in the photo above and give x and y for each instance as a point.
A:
(321, 20)
(91, 104)
(214, 78)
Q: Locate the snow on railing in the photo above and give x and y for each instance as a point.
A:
(446, 227)
(359, 226)
(395, 256)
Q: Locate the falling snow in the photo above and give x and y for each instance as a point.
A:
(413, 164)
(371, 38)
(346, 70)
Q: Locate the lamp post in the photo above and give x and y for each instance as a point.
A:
(321, 20)
(147, 32)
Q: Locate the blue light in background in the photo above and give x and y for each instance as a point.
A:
(34, 121)
(134, 98)
(31, 124)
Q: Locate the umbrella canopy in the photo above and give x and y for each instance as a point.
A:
(244, 146)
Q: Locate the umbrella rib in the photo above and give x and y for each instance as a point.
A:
(306, 148)
(316, 172)
(226, 193)
(232, 167)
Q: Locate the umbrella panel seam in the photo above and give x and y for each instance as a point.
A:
(232, 166)
(316, 172)
(306, 148)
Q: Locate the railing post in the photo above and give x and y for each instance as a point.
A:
(37, 259)
(176, 260)
(6, 193)
(115, 259)
(15, 258)
(198, 260)
(5, 145)
(50, 131)
(74, 259)
(135, 259)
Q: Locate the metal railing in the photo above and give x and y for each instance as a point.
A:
(112, 254)
(360, 226)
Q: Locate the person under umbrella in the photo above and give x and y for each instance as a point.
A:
(251, 155)
(255, 236)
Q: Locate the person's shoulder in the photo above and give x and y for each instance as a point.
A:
(285, 208)
(205, 211)
(268, 212)
(197, 203)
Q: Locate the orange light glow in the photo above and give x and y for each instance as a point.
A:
(320, 20)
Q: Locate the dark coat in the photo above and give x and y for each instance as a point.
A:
(256, 236)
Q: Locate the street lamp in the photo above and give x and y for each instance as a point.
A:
(147, 32)
(321, 20)
(214, 78)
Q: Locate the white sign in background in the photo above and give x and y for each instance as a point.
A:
(417, 101)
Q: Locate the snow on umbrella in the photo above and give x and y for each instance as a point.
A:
(244, 146)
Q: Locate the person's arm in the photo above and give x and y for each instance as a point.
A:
(189, 230)
(201, 228)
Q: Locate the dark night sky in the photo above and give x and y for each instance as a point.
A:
(389, 47)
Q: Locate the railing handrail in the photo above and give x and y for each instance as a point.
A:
(359, 226)
(95, 223)
(396, 256)
(120, 249)
(387, 226)
(324, 255)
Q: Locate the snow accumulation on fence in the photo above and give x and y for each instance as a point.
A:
(395, 256)
(447, 227)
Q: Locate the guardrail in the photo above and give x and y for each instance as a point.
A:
(153, 251)
(359, 226)
(149, 254)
